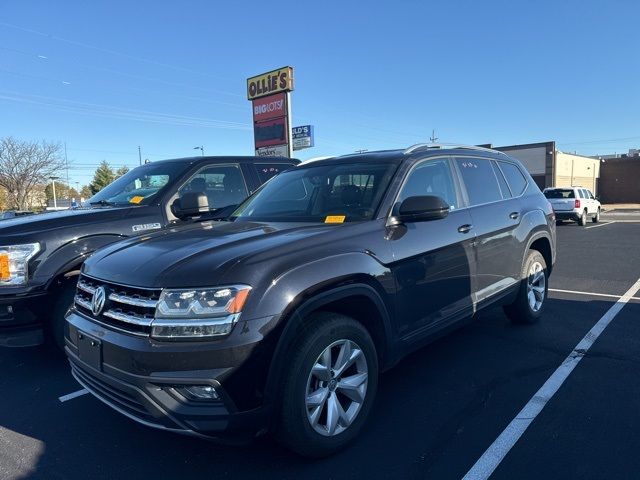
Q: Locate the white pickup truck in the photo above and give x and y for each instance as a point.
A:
(574, 203)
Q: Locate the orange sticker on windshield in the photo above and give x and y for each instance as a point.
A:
(335, 219)
(136, 199)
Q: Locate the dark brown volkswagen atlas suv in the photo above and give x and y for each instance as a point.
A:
(281, 319)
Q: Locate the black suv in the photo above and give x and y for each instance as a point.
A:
(40, 255)
(281, 319)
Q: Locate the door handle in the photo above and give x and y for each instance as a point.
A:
(514, 215)
(465, 228)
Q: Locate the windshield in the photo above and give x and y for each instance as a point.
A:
(334, 193)
(140, 185)
(558, 193)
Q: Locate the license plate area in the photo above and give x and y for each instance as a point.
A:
(90, 350)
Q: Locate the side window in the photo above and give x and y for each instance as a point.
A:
(223, 184)
(268, 170)
(591, 196)
(515, 178)
(504, 188)
(479, 179)
(586, 193)
(432, 177)
(581, 193)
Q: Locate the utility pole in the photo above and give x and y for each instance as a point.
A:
(66, 162)
(362, 150)
(433, 138)
(201, 148)
(139, 155)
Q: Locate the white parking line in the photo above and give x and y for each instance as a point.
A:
(603, 224)
(494, 455)
(591, 294)
(73, 395)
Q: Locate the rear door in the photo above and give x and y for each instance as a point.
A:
(495, 215)
(433, 260)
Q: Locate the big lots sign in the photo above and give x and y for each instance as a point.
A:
(273, 106)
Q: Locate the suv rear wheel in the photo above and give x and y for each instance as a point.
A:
(532, 295)
(329, 386)
(582, 221)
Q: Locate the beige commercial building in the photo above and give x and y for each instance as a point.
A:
(550, 167)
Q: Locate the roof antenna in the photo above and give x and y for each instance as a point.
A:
(433, 138)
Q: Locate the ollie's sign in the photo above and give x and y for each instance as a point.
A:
(275, 81)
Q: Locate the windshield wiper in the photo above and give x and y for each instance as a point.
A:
(103, 203)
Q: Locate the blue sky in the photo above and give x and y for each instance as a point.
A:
(105, 77)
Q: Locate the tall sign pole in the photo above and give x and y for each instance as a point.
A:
(270, 96)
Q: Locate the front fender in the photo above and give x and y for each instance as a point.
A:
(70, 256)
(290, 288)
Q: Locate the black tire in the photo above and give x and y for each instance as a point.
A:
(294, 429)
(596, 217)
(582, 221)
(63, 298)
(520, 311)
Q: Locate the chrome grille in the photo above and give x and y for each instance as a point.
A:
(130, 309)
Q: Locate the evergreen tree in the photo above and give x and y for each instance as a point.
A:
(121, 171)
(103, 176)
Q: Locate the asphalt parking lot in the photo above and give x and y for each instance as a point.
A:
(437, 412)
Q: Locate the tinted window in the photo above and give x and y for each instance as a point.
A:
(504, 188)
(432, 177)
(480, 181)
(268, 170)
(591, 195)
(334, 193)
(515, 178)
(581, 193)
(559, 193)
(140, 186)
(223, 184)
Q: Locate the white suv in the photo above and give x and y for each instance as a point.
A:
(574, 203)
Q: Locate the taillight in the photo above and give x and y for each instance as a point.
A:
(577, 204)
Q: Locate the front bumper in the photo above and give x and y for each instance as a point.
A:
(20, 314)
(137, 377)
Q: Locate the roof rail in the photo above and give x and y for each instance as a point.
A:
(421, 146)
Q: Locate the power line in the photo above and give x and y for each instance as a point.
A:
(112, 52)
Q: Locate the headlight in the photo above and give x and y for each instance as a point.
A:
(198, 312)
(14, 260)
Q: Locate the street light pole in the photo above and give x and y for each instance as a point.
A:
(201, 148)
(53, 185)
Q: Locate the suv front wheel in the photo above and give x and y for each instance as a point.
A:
(329, 385)
(528, 306)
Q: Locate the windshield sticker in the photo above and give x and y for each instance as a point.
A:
(146, 226)
(335, 219)
(136, 199)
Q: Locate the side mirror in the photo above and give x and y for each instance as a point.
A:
(190, 204)
(422, 208)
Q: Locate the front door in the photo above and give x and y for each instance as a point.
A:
(433, 260)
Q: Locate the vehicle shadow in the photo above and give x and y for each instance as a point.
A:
(435, 413)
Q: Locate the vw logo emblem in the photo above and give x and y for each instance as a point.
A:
(98, 300)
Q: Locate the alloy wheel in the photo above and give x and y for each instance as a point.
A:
(536, 286)
(336, 387)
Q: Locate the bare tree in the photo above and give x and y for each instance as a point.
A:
(25, 167)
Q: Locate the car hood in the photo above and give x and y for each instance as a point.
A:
(45, 222)
(192, 256)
